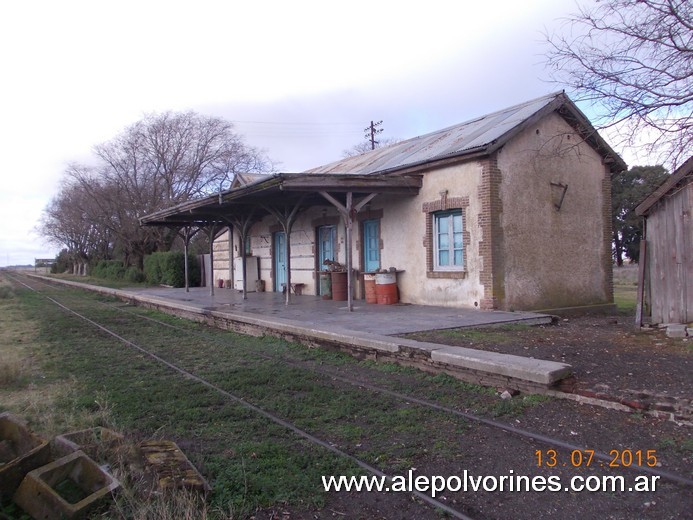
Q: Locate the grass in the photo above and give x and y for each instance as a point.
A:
(12, 373)
(625, 297)
(626, 275)
(682, 445)
(33, 388)
(181, 505)
(626, 288)
(6, 290)
(80, 377)
(101, 282)
(499, 334)
(17, 345)
(16, 341)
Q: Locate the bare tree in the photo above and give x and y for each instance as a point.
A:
(366, 146)
(177, 156)
(633, 60)
(162, 160)
(71, 219)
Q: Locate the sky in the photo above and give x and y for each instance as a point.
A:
(299, 79)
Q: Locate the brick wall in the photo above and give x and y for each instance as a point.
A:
(606, 216)
(490, 245)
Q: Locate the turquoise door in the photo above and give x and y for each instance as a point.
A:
(326, 248)
(279, 260)
(371, 245)
(326, 240)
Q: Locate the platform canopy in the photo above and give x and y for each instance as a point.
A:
(280, 190)
(284, 196)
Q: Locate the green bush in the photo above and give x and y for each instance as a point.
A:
(134, 275)
(109, 269)
(169, 269)
(174, 269)
(152, 268)
(62, 262)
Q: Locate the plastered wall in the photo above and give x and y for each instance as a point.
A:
(543, 256)
(405, 234)
(553, 257)
(303, 262)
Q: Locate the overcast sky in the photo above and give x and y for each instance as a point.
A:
(301, 79)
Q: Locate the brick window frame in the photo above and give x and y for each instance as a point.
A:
(445, 203)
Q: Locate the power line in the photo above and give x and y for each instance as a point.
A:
(292, 123)
(295, 129)
(372, 131)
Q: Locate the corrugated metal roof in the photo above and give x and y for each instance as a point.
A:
(244, 179)
(456, 140)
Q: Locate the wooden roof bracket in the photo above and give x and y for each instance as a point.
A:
(348, 213)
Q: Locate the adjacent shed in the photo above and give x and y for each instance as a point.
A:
(667, 272)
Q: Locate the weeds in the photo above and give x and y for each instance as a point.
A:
(682, 446)
(87, 379)
(181, 504)
(499, 334)
(12, 373)
(6, 290)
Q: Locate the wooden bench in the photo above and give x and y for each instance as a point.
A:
(296, 288)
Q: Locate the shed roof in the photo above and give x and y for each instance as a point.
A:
(481, 135)
(683, 174)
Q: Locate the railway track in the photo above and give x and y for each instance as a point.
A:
(77, 308)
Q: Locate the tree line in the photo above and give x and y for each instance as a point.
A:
(160, 161)
(170, 158)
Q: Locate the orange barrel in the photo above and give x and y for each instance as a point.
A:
(369, 286)
(339, 285)
(386, 288)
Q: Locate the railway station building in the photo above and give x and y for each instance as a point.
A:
(508, 211)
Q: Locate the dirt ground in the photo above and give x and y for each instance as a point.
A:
(603, 350)
(606, 352)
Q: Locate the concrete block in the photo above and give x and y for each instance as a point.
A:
(527, 369)
(676, 330)
(20, 452)
(69, 487)
(98, 443)
(171, 467)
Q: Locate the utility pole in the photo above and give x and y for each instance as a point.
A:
(372, 131)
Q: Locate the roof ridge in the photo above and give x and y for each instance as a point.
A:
(478, 135)
(497, 112)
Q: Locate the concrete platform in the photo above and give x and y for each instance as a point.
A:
(369, 331)
(313, 311)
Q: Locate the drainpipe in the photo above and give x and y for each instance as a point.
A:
(349, 222)
(188, 233)
(212, 230)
